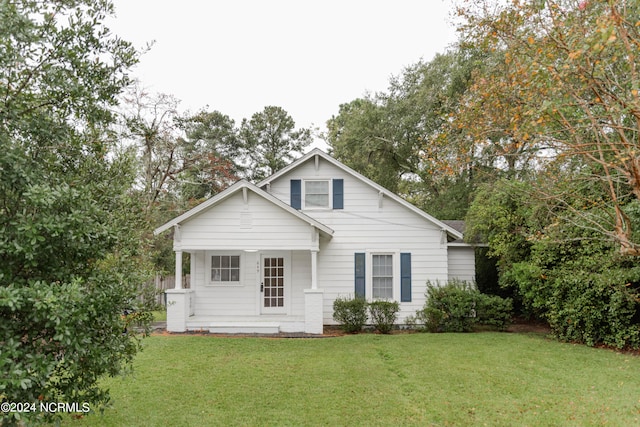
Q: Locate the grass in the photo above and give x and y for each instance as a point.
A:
(159, 315)
(494, 379)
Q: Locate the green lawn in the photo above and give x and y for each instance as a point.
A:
(487, 378)
(160, 315)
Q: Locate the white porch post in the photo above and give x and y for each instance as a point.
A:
(313, 300)
(178, 284)
(314, 269)
(179, 301)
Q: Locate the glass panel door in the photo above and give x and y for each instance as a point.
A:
(273, 284)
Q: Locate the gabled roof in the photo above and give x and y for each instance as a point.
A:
(239, 186)
(317, 152)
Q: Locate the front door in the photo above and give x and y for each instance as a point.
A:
(273, 284)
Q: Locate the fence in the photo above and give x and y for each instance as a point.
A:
(168, 282)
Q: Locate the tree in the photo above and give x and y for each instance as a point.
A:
(150, 125)
(402, 138)
(505, 215)
(270, 141)
(488, 125)
(573, 69)
(70, 259)
(358, 139)
(555, 261)
(212, 139)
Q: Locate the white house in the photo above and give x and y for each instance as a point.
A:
(273, 257)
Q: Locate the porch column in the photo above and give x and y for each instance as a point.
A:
(313, 311)
(179, 309)
(313, 299)
(314, 269)
(178, 284)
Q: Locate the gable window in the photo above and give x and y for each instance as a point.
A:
(382, 276)
(316, 194)
(225, 269)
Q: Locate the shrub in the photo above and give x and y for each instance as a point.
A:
(431, 318)
(351, 313)
(595, 309)
(495, 311)
(384, 315)
(449, 308)
(458, 306)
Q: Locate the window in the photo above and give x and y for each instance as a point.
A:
(225, 268)
(382, 276)
(316, 194)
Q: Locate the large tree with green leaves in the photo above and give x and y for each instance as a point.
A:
(562, 91)
(401, 138)
(270, 141)
(70, 260)
(569, 81)
(358, 137)
(211, 139)
(557, 265)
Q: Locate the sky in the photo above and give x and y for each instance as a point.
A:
(306, 56)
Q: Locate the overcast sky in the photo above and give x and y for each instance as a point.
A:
(306, 56)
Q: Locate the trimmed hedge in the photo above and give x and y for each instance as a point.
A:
(352, 314)
(457, 306)
(384, 315)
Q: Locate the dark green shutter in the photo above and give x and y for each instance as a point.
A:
(405, 277)
(359, 275)
(296, 194)
(338, 194)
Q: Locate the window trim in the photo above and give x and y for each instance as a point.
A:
(303, 192)
(208, 266)
(395, 281)
(381, 276)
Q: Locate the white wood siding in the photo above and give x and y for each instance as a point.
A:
(234, 225)
(462, 263)
(300, 280)
(225, 300)
(365, 226)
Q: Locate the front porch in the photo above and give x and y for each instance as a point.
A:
(253, 265)
(182, 316)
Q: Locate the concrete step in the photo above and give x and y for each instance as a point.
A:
(244, 327)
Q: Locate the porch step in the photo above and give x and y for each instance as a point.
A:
(244, 328)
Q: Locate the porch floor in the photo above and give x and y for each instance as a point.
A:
(264, 324)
